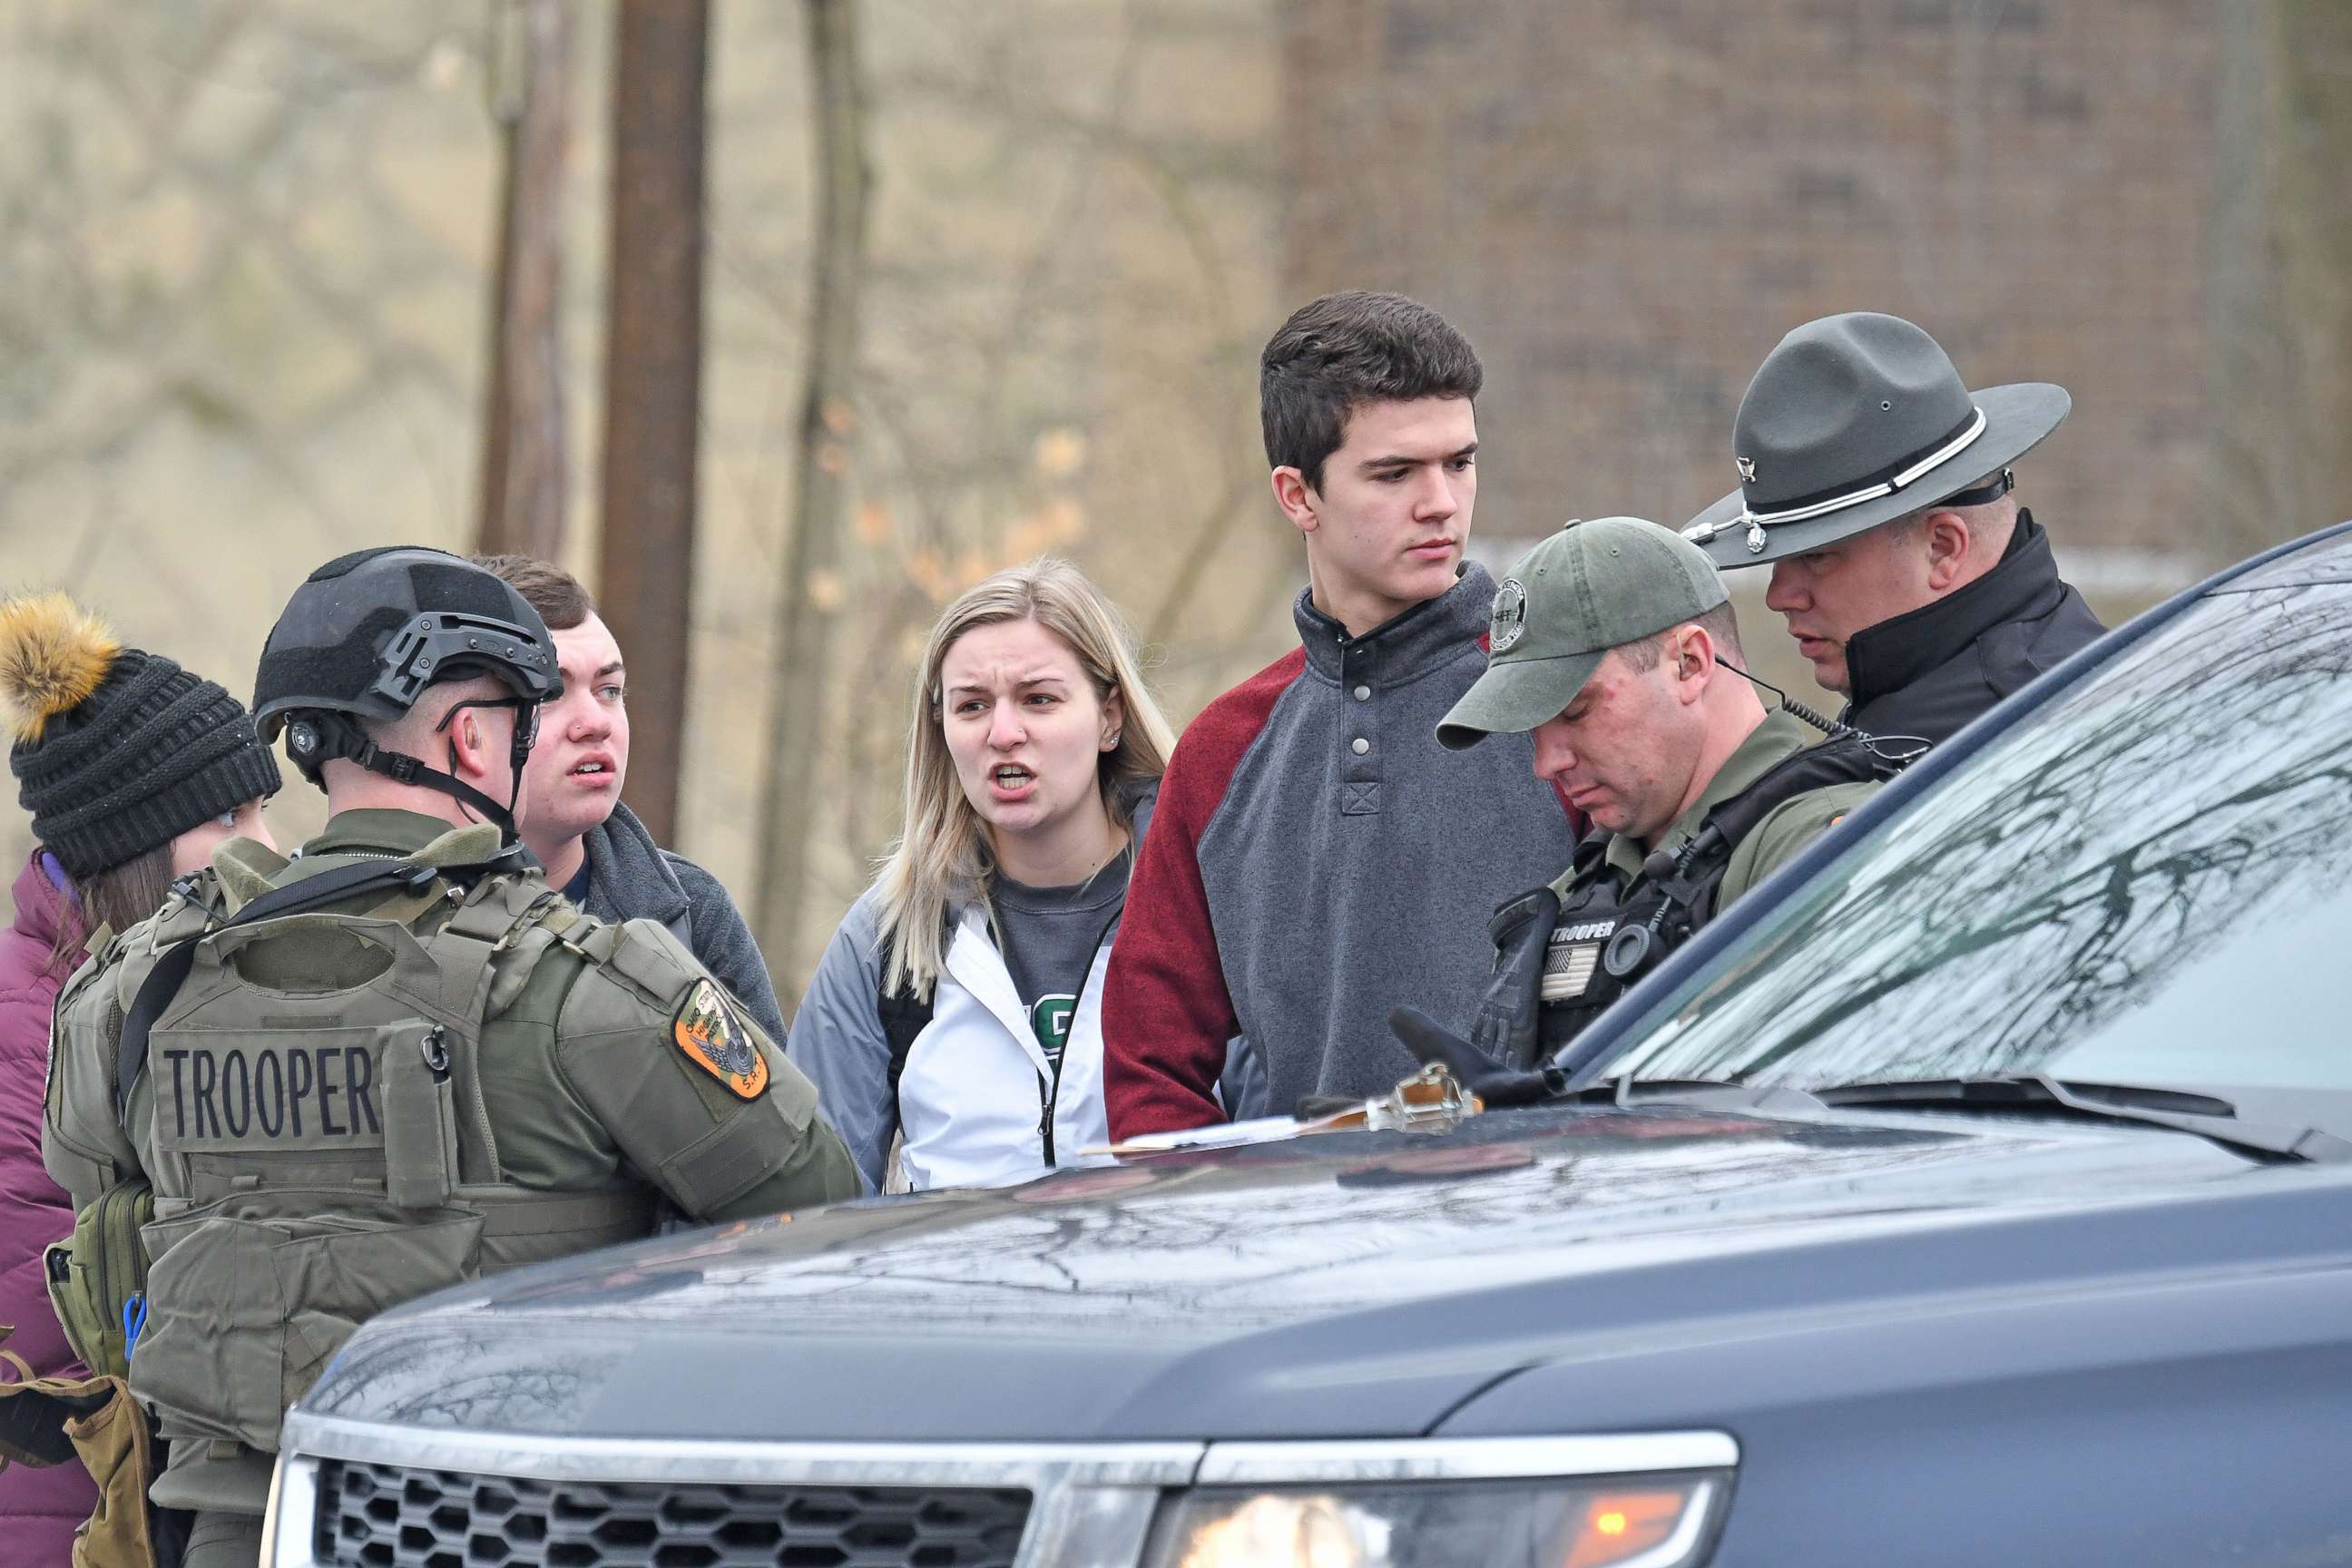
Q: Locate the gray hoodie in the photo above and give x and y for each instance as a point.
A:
(631, 877)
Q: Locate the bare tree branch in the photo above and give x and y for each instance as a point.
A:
(811, 585)
(522, 448)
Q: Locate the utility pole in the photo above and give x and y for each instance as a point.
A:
(653, 381)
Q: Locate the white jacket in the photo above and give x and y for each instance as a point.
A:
(969, 1100)
(973, 1101)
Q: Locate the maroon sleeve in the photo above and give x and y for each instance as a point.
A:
(33, 1210)
(1166, 1013)
(39, 1508)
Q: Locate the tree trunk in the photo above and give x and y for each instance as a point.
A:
(653, 381)
(811, 590)
(523, 445)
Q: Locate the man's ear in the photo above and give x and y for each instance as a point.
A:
(1691, 652)
(469, 738)
(1295, 498)
(1948, 537)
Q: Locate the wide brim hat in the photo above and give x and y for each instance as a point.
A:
(1854, 421)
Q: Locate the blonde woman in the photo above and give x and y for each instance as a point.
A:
(958, 1006)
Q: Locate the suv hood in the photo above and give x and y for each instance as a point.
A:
(1355, 1285)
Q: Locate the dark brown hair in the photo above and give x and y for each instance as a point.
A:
(562, 599)
(120, 897)
(1343, 351)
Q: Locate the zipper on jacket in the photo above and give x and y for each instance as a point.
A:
(1049, 1092)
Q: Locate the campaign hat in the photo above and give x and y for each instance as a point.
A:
(1855, 420)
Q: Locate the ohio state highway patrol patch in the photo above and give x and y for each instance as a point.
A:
(715, 1039)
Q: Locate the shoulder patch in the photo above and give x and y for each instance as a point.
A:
(715, 1040)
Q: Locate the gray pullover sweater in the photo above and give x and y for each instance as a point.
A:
(1316, 860)
(631, 877)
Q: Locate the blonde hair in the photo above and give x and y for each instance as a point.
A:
(942, 856)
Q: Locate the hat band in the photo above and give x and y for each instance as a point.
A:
(1699, 533)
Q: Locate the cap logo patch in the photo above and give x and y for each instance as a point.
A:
(1509, 620)
(715, 1040)
(1747, 469)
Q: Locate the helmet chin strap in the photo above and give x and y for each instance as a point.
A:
(525, 735)
(316, 740)
(449, 783)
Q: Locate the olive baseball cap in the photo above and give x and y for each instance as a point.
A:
(1583, 591)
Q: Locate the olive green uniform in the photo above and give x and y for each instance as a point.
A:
(341, 1110)
(1792, 825)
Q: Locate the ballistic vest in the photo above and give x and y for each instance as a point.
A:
(311, 1115)
(1612, 930)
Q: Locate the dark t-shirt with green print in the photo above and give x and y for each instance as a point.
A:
(1049, 937)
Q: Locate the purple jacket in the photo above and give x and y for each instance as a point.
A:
(39, 1508)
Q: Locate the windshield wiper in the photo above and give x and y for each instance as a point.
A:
(2206, 1116)
(2147, 1105)
(1501, 1087)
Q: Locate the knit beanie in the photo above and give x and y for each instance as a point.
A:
(116, 751)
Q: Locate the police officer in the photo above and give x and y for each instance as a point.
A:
(1614, 641)
(1878, 489)
(400, 1060)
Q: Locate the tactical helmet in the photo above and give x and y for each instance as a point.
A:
(366, 634)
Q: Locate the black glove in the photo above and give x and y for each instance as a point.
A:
(1505, 1028)
(1433, 1044)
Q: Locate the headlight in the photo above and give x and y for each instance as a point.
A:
(1621, 1522)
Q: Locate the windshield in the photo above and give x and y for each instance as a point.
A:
(2150, 881)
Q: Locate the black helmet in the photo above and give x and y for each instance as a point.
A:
(364, 635)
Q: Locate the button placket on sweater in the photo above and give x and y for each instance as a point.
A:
(1382, 666)
(1360, 731)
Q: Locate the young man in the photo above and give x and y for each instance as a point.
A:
(1317, 858)
(593, 847)
(1877, 487)
(1610, 642)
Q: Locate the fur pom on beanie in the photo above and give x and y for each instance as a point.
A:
(116, 751)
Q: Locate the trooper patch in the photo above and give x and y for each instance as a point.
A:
(218, 1099)
(1508, 622)
(716, 1040)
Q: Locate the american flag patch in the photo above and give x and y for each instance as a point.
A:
(1569, 965)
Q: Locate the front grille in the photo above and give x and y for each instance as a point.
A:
(384, 1516)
